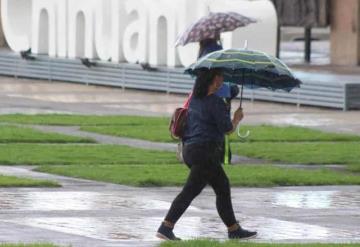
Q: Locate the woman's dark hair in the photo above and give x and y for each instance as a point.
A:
(204, 78)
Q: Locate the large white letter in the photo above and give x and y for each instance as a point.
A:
(135, 35)
(16, 21)
(81, 28)
(119, 21)
(103, 28)
(162, 33)
(45, 32)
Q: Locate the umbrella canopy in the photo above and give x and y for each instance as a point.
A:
(208, 27)
(250, 68)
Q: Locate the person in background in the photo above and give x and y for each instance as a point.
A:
(208, 121)
(207, 46)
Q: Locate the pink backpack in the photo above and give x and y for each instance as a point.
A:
(178, 120)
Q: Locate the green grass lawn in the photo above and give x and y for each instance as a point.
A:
(28, 245)
(132, 166)
(211, 243)
(156, 133)
(41, 154)
(354, 168)
(67, 119)
(261, 133)
(302, 153)
(156, 128)
(67, 154)
(270, 133)
(176, 174)
(13, 134)
(307, 153)
(11, 181)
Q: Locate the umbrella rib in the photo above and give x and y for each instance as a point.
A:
(236, 59)
(281, 65)
(242, 53)
(268, 79)
(259, 76)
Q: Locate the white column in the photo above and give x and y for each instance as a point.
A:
(162, 33)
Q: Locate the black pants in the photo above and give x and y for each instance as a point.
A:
(204, 161)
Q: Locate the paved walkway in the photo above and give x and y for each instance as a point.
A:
(87, 213)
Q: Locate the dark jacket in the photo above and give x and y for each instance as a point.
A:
(208, 120)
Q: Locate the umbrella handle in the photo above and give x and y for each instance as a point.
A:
(243, 137)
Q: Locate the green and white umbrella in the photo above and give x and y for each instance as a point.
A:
(253, 69)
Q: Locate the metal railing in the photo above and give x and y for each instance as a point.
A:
(313, 91)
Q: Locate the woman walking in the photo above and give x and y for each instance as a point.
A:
(207, 123)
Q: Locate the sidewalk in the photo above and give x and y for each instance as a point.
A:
(86, 213)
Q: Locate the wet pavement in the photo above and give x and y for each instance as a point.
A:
(87, 213)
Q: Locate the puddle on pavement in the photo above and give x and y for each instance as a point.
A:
(83, 200)
(87, 200)
(273, 229)
(112, 97)
(122, 228)
(299, 199)
(300, 120)
(159, 107)
(25, 110)
(308, 199)
(99, 218)
(316, 199)
(116, 228)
